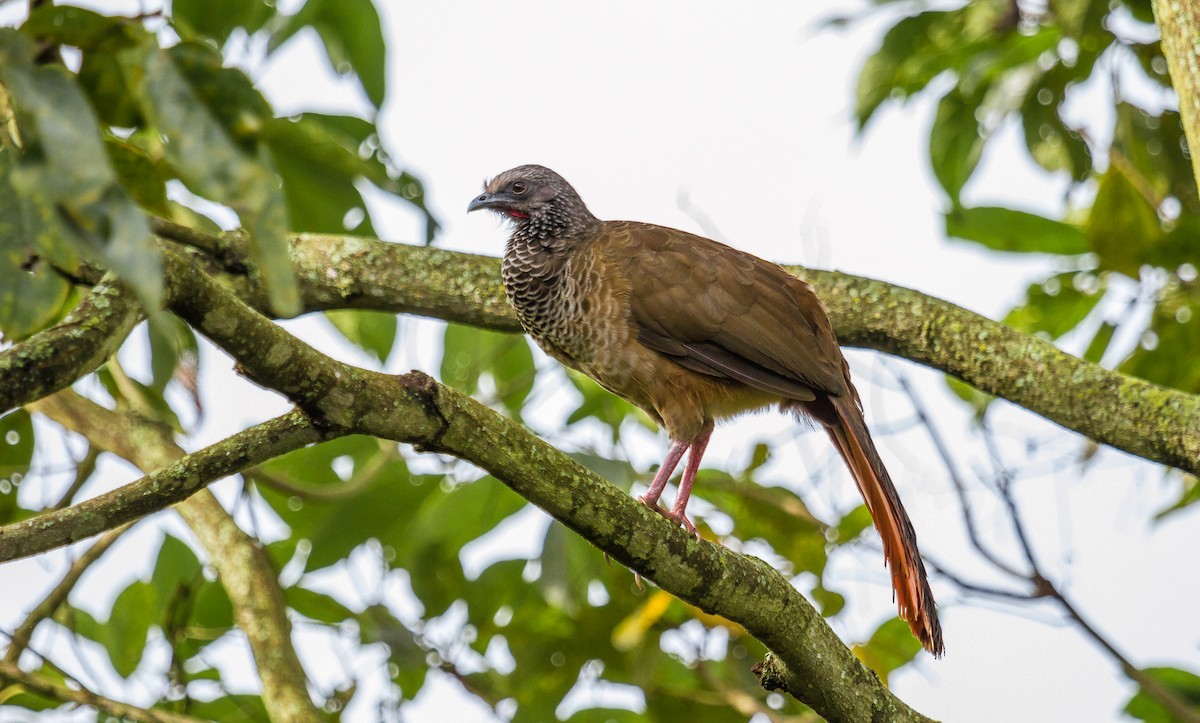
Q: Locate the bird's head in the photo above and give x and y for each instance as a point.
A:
(538, 200)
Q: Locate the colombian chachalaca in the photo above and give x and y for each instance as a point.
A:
(693, 332)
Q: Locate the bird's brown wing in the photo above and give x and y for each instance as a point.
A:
(725, 313)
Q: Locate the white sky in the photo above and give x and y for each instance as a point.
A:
(747, 109)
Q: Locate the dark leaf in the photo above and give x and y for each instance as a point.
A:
(319, 173)
(143, 176)
(1051, 143)
(217, 19)
(217, 166)
(377, 499)
(955, 144)
(31, 292)
(172, 342)
(63, 172)
(81, 28)
(352, 36)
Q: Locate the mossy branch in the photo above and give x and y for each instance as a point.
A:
(812, 663)
(54, 358)
(242, 565)
(1130, 414)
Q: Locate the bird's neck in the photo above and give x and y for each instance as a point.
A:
(555, 229)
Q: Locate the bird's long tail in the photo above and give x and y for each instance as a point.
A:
(844, 421)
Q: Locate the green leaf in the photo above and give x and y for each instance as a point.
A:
(1006, 229)
(353, 39)
(1056, 305)
(379, 500)
(142, 175)
(441, 526)
(895, 68)
(215, 164)
(230, 709)
(124, 635)
(319, 175)
(852, 524)
(16, 444)
(372, 331)
(979, 400)
(16, 453)
(506, 359)
(773, 514)
(1188, 496)
(64, 177)
(172, 342)
(175, 567)
(1099, 343)
(1175, 331)
(217, 19)
(1122, 224)
(955, 143)
(569, 565)
(1051, 144)
(891, 646)
(81, 28)
(317, 153)
(600, 404)
(211, 607)
(31, 292)
(15, 696)
(830, 603)
(316, 605)
(1183, 683)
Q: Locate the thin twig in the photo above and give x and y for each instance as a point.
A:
(82, 696)
(46, 608)
(960, 487)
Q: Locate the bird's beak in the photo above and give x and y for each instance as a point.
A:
(484, 200)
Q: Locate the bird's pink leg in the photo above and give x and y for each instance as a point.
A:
(679, 510)
(650, 499)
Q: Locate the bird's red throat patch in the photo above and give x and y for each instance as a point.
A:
(516, 214)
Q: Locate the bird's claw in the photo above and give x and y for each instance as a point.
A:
(676, 517)
(681, 519)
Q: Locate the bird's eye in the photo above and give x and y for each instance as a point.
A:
(519, 187)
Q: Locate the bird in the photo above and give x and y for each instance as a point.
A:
(693, 332)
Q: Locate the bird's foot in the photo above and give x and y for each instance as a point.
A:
(678, 518)
(651, 502)
(681, 519)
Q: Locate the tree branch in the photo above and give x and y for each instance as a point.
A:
(155, 491)
(1130, 414)
(810, 661)
(242, 565)
(52, 359)
(47, 607)
(82, 696)
(1179, 25)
